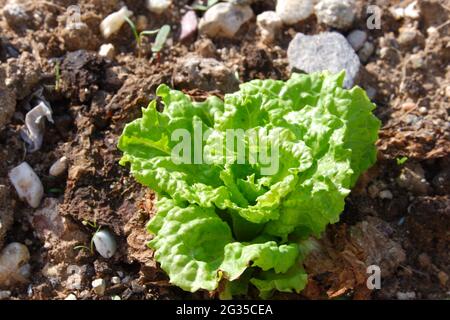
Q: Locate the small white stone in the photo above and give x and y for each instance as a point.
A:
(411, 11)
(406, 295)
(71, 297)
(386, 194)
(59, 167)
(5, 294)
(269, 23)
(107, 50)
(224, 19)
(27, 184)
(338, 14)
(115, 280)
(14, 265)
(99, 286)
(293, 11)
(357, 38)
(113, 22)
(158, 6)
(105, 243)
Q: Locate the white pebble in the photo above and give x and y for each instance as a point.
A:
(99, 286)
(224, 19)
(293, 11)
(269, 23)
(71, 297)
(105, 243)
(158, 6)
(112, 23)
(107, 51)
(115, 280)
(338, 14)
(14, 267)
(27, 184)
(59, 167)
(386, 194)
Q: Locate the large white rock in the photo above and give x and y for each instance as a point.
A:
(224, 19)
(27, 184)
(338, 14)
(113, 22)
(293, 11)
(327, 51)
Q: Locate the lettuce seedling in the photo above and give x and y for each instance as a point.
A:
(234, 214)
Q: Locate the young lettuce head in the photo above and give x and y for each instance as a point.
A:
(243, 182)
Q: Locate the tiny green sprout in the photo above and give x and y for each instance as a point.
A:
(401, 160)
(57, 76)
(161, 38)
(91, 243)
(161, 35)
(204, 7)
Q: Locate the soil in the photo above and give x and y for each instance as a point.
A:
(398, 215)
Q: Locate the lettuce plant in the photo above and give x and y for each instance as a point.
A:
(226, 220)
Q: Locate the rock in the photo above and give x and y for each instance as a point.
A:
(105, 243)
(386, 194)
(443, 278)
(14, 267)
(113, 22)
(71, 297)
(15, 15)
(270, 24)
(107, 50)
(158, 6)
(115, 280)
(78, 36)
(6, 214)
(366, 52)
(58, 167)
(325, 51)
(409, 12)
(208, 74)
(410, 295)
(374, 235)
(189, 24)
(412, 178)
(410, 37)
(205, 48)
(357, 38)
(22, 75)
(8, 101)
(5, 294)
(294, 11)
(99, 286)
(27, 184)
(224, 19)
(338, 14)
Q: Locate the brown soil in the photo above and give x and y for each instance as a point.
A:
(407, 235)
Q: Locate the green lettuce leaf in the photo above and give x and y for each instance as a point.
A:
(233, 217)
